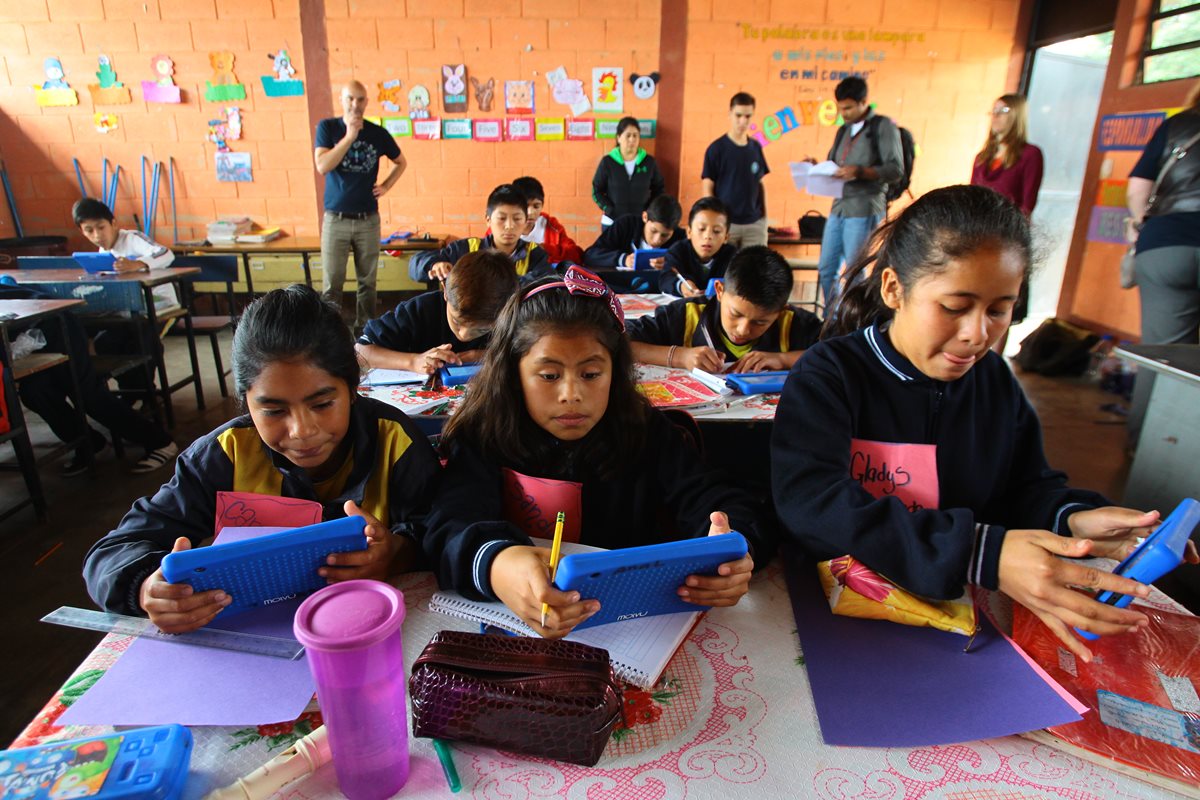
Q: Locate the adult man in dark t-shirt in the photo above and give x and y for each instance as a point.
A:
(734, 167)
(348, 150)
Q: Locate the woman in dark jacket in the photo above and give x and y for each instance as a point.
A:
(627, 178)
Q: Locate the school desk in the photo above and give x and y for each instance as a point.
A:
(732, 717)
(119, 293)
(269, 260)
(1164, 466)
(16, 316)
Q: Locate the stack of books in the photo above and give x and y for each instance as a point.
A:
(227, 229)
(259, 236)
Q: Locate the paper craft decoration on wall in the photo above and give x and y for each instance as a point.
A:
(418, 102)
(55, 91)
(644, 85)
(550, 129)
(518, 97)
(162, 89)
(104, 122)
(484, 93)
(109, 91)
(608, 90)
(454, 88)
(607, 128)
(456, 129)
(427, 128)
(647, 128)
(234, 167)
(390, 95)
(284, 82)
(581, 130)
(398, 126)
(568, 91)
(223, 85)
(488, 130)
(518, 129)
(223, 131)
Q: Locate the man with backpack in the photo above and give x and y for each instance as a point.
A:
(868, 152)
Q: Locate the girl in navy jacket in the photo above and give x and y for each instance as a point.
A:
(914, 369)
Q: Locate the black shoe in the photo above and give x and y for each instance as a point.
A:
(79, 464)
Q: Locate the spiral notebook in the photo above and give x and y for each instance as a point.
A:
(638, 648)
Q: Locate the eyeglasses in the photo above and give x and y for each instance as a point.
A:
(999, 111)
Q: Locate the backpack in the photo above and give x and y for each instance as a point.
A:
(908, 154)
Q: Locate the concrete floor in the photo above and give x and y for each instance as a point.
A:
(40, 562)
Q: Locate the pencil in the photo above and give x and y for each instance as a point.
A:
(554, 549)
(443, 753)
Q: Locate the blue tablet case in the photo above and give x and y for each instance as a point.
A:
(757, 382)
(641, 258)
(458, 375)
(137, 764)
(95, 262)
(1159, 554)
(266, 569)
(641, 581)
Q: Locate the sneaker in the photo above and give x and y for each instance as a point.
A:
(157, 458)
(78, 464)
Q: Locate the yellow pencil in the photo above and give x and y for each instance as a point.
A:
(554, 549)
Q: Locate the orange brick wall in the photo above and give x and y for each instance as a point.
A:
(938, 87)
(939, 84)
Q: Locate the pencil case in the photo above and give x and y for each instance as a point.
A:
(546, 698)
(137, 764)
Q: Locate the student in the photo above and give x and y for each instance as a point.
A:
(556, 401)
(450, 326)
(734, 167)
(307, 435)
(134, 251)
(917, 371)
(749, 322)
(506, 217)
(655, 228)
(704, 255)
(543, 229)
(49, 394)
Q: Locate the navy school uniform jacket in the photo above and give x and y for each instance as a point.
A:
(620, 239)
(992, 473)
(392, 474)
(417, 325)
(529, 259)
(682, 258)
(685, 323)
(667, 482)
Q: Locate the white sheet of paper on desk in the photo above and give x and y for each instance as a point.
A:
(392, 377)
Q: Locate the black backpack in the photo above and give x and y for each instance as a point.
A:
(908, 154)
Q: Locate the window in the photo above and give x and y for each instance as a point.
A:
(1172, 49)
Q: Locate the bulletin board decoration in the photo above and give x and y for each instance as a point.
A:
(608, 89)
(109, 91)
(454, 88)
(223, 131)
(456, 129)
(284, 82)
(429, 129)
(518, 129)
(398, 127)
(550, 129)
(233, 167)
(55, 91)
(1111, 192)
(488, 130)
(644, 86)
(105, 121)
(418, 102)
(568, 91)
(606, 128)
(485, 93)
(1127, 131)
(223, 86)
(518, 97)
(581, 130)
(162, 89)
(391, 93)
(647, 128)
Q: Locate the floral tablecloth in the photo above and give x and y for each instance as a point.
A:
(732, 717)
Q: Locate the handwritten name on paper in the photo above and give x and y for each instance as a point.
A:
(889, 469)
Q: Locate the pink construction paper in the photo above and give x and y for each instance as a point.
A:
(889, 469)
(250, 510)
(532, 504)
(156, 682)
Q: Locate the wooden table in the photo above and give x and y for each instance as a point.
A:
(20, 314)
(67, 283)
(303, 246)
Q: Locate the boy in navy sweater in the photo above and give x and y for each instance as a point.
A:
(748, 323)
(507, 216)
(655, 228)
(451, 326)
(691, 264)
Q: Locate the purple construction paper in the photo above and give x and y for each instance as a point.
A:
(156, 682)
(881, 684)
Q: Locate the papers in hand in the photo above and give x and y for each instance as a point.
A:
(817, 178)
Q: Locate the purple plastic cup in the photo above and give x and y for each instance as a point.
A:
(351, 633)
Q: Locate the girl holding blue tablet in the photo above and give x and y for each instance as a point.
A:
(555, 401)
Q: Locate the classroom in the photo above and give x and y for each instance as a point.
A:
(439, 270)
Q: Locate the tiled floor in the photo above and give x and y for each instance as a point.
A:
(40, 563)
